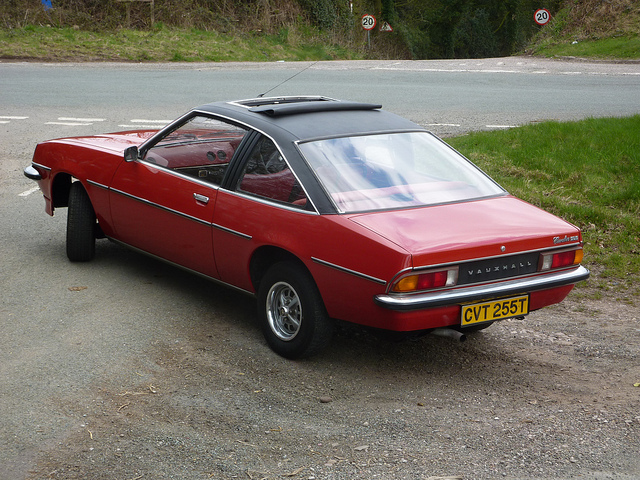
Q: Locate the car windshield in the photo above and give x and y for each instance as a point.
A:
(394, 170)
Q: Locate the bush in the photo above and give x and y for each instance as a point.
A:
(473, 36)
(249, 15)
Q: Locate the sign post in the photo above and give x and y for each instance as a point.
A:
(368, 23)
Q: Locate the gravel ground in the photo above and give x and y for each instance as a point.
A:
(548, 397)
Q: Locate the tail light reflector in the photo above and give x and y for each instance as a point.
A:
(415, 282)
(559, 259)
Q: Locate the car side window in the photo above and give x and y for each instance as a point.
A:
(201, 148)
(267, 174)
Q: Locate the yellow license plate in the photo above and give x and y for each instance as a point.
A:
(494, 310)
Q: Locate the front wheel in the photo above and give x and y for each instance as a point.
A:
(81, 225)
(292, 315)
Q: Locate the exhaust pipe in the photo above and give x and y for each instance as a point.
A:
(450, 333)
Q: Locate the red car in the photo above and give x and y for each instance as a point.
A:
(321, 209)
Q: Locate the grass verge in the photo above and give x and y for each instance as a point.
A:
(616, 48)
(586, 172)
(162, 44)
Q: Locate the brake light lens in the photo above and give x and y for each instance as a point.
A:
(415, 282)
(559, 259)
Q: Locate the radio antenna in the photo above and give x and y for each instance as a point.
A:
(285, 81)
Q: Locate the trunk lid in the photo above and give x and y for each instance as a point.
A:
(470, 230)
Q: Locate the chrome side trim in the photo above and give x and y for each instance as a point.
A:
(39, 165)
(164, 260)
(96, 184)
(161, 207)
(273, 203)
(349, 271)
(481, 292)
(232, 232)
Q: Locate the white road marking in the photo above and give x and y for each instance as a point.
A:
(443, 125)
(139, 125)
(9, 117)
(488, 67)
(69, 124)
(501, 126)
(138, 120)
(26, 193)
(73, 119)
(453, 70)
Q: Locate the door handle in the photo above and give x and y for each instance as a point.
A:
(201, 198)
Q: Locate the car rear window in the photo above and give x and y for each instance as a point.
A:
(394, 170)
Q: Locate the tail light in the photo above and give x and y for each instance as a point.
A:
(418, 281)
(560, 258)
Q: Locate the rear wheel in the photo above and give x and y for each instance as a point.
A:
(293, 318)
(81, 225)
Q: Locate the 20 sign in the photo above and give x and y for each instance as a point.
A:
(368, 22)
(542, 16)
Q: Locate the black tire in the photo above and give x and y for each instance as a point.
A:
(292, 315)
(81, 225)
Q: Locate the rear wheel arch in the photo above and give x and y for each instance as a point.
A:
(267, 256)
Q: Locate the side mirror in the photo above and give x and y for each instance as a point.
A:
(131, 154)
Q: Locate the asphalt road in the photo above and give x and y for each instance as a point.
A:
(67, 328)
(448, 96)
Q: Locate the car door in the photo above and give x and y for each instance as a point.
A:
(265, 204)
(163, 203)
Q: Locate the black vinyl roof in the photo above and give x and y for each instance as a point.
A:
(307, 117)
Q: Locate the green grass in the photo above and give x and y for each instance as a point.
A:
(299, 43)
(586, 172)
(163, 44)
(623, 47)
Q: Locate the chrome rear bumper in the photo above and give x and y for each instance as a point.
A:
(481, 292)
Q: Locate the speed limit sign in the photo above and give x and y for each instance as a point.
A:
(542, 16)
(368, 22)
